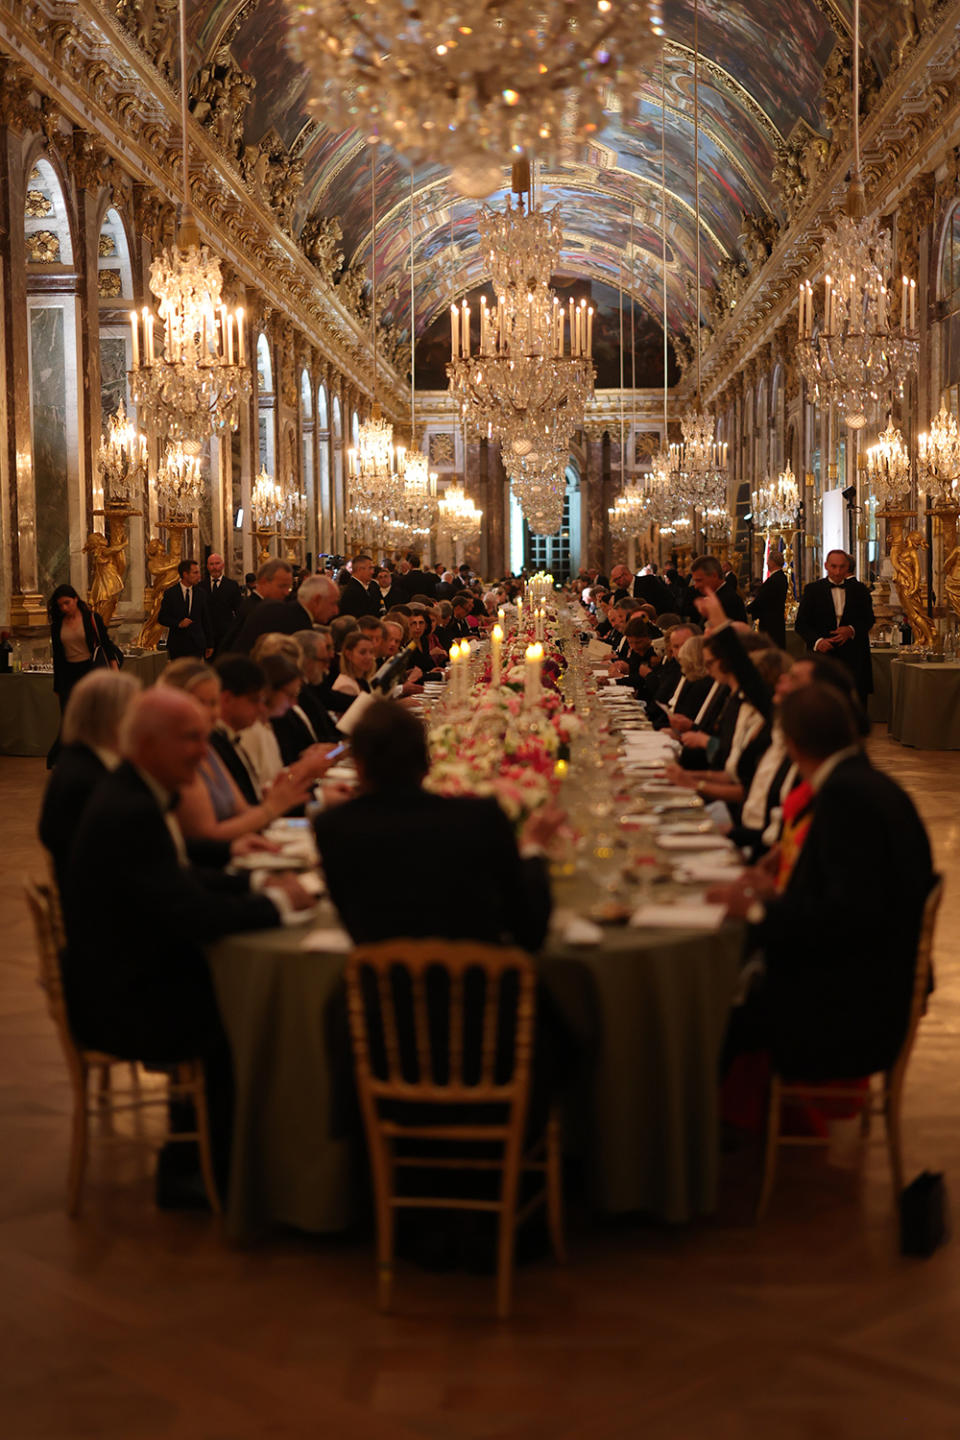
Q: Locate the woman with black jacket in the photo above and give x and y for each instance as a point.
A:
(79, 642)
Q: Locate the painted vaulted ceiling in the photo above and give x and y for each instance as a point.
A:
(760, 77)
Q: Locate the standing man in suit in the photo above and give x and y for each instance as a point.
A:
(835, 617)
(183, 610)
(418, 582)
(223, 599)
(706, 573)
(315, 603)
(360, 596)
(274, 581)
(770, 605)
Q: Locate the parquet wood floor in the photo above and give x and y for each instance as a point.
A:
(130, 1324)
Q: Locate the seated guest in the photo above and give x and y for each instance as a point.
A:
(212, 806)
(90, 748)
(358, 661)
(316, 650)
(236, 734)
(390, 590)
(643, 661)
(395, 638)
(372, 627)
(834, 998)
(335, 701)
(136, 981)
(694, 684)
(670, 673)
(395, 815)
(732, 738)
(424, 657)
(361, 595)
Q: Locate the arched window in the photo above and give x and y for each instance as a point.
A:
(355, 429)
(323, 422)
(267, 405)
(53, 340)
(307, 476)
(324, 497)
(950, 311)
(775, 451)
(339, 511)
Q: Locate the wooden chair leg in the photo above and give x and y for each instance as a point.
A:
(507, 1236)
(134, 1069)
(773, 1140)
(103, 1085)
(554, 1179)
(891, 1113)
(381, 1165)
(78, 1139)
(203, 1139)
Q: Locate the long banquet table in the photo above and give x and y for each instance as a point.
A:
(647, 1007)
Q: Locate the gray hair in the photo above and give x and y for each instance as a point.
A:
(340, 628)
(316, 585)
(273, 567)
(690, 656)
(309, 640)
(96, 708)
(187, 673)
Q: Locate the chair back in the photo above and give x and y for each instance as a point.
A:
(44, 913)
(922, 968)
(441, 1021)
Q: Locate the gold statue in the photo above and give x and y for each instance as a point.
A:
(951, 579)
(163, 572)
(108, 565)
(905, 558)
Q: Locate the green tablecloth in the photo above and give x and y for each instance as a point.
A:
(30, 712)
(925, 705)
(649, 1009)
(878, 705)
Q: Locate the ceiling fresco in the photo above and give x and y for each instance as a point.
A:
(761, 74)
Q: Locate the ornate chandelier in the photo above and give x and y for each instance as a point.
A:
(179, 480)
(266, 502)
(122, 459)
(416, 506)
(629, 513)
(938, 458)
(860, 356)
(459, 518)
(192, 387)
(776, 502)
(465, 87)
(888, 467)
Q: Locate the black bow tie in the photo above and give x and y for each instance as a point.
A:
(835, 586)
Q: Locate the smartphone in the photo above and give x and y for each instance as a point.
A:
(338, 750)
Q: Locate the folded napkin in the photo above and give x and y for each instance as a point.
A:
(331, 940)
(672, 841)
(697, 872)
(695, 916)
(578, 930)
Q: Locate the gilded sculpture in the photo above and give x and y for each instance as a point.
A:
(951, 579)
(108, 567)
(905, 559)
(162, 569)
(320, 242)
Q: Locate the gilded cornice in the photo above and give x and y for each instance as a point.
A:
(914, 119)
(104, 84)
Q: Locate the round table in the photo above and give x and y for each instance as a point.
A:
(648, 1008)
(925, 704)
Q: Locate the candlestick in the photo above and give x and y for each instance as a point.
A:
(135, 334)
(241, 341)
(454, 332)
(531, 679)
(496, 641)
(464, 669)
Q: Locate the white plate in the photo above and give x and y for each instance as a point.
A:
(695, 844)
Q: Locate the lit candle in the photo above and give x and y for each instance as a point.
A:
(903, 303)
(454, 332)
(453, 672)
(465, 331)
(531, 679)
(589, 332)
(496, 641)
(828, 305)
(801, 316)
(148, 323)
(464, 669)
(913, 304)
(241, 343)
(560, 769)
(135, 335)
(501, 618)
(229, 341)
(572, 330)
(519, 611)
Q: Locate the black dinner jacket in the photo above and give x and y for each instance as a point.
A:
(419, 582)
(77, 773)
(769, 606)
(408, 825)
(839, 954)
(195, 639)
(223, 603)
(651, 590)
(357, 601)
(731, 600)
(817, 618)
(246, 607)
(135, 974)
(239, 773)
(283, 617)
(315, 701)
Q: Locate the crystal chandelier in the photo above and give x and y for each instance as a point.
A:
(522, 386)
(459, 518)
(193, 385)
(122, 459)
(776, 502)
(861, 356)
(294, 514)
(266, 502)
(629, 513)
(179, 480)
(464, 87)
(938, 458)
(888, 467)
(416, 507)
(538, 479)
(699, 460)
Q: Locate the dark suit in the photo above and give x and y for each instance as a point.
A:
(195, 639)
(840, 958)
(408, 825)
(223, 601)
(357, 601)
(419, 582)
(77, 773)
(651, 590)
(282, 617)
(238, 772)
(769, 608)
(731, 600)
(817, 618)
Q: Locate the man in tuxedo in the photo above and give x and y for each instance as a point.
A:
(360, 596)
(315, 603)
(242, 692)
(135, 975)
(769, 606)
(835, 617)
(707, 575)
(183, 610)
(649, 589)
(835, 997)
(223, 599)
(419, 582)
(274, 581)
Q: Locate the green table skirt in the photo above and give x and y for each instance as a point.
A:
(648, 1010)
(925, 705)
(30, 711)
(878, 704)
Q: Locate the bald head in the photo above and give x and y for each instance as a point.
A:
(165, 734)
(215, 566)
